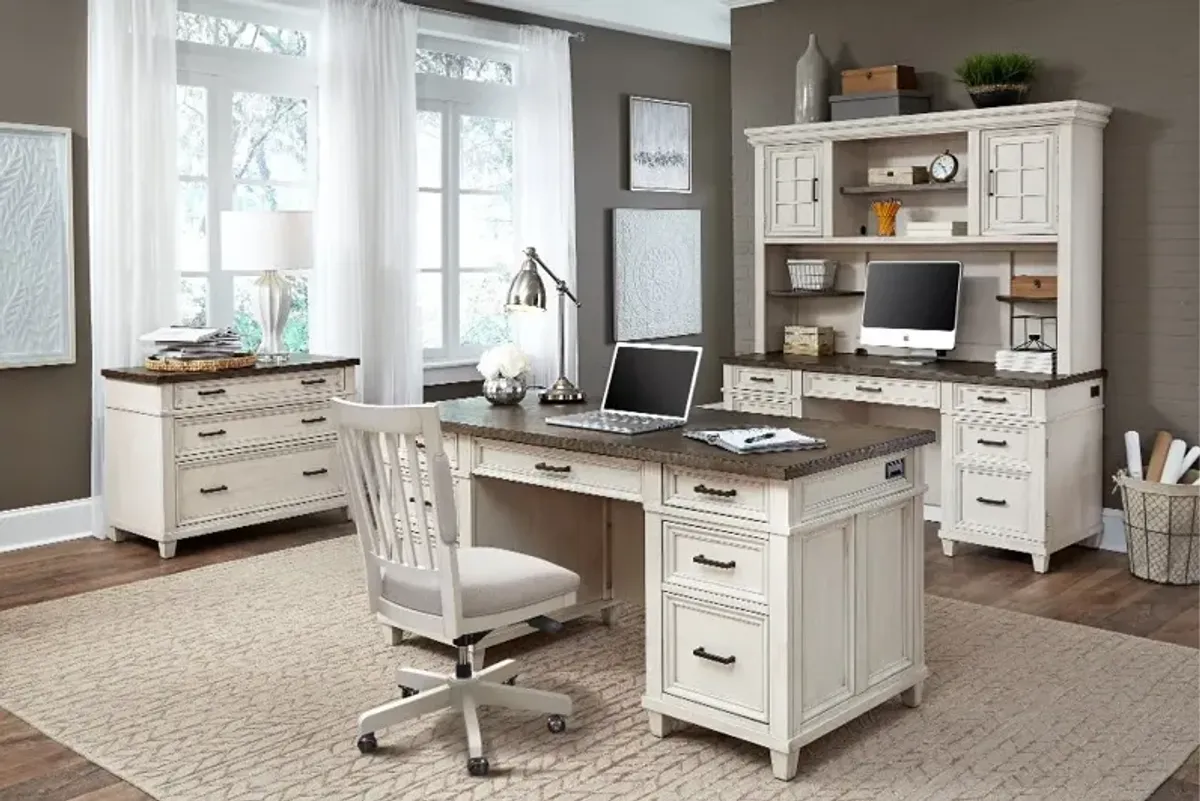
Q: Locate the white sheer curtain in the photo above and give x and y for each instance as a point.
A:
(364, 296)
(132, 185)
(544, 179)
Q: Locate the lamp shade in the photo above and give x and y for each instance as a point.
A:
(526, 292)
(253, 241)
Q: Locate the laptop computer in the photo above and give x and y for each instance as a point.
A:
(649, 389)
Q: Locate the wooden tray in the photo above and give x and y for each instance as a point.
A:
(200, 365)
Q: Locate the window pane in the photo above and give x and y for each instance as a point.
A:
(467, 68)
(429, 231)
(429, 149)
(482, 321)
(191, 104)
(221, 32)
(430, 288)
(486, 232)
(272, 198)
(245, 313)
(270, 137)
(191, 231)
(487, 153)
(193, 300)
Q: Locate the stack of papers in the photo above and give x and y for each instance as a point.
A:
(180, 342)
(757, 440)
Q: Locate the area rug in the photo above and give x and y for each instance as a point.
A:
(242, 681)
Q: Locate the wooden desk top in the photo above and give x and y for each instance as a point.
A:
(526, 424)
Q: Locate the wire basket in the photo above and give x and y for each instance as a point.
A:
(812, 275)
(1162, 528)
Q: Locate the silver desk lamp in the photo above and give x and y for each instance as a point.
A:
(526, 293)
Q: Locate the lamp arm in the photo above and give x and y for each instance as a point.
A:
(561, 284)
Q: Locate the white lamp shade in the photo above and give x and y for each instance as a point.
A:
(253, 241)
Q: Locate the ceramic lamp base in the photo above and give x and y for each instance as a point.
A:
(274, 307)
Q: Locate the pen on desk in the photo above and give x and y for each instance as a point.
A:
(760, 437)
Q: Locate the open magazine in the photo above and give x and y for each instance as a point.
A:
(756, 440)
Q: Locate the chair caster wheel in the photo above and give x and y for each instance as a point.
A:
(511, 681)
(367, 743)
(408, 692)
(477, 766)
(557, 724)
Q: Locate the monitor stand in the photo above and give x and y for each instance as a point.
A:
(918, 358)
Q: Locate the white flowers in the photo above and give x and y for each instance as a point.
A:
(505, 360)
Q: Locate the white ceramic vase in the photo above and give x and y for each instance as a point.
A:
(812, 84)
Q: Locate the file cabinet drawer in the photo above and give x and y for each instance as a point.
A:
(720, 493)
(241, 430)
(714, 560)
(993, 400)
(993, 500)
(891, 391)
(254, 391)
(761, 379)
(974, 439)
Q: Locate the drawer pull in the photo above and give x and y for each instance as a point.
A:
(318, 472)
(311, 382)
(869, 389)
(211, 490)
(991, 502)
(758, 379)
(310, 420)
(549, 468)
(701, 559)
(991, 399)
(700, 489)
(720, 660)
(993, 443)
(427, 503)
(206, 392)
(216, 433)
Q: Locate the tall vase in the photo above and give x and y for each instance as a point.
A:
(812, 84)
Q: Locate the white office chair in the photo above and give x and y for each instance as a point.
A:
(418, 578)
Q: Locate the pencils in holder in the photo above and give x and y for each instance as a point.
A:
(885, 212)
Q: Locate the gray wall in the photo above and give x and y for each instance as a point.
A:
(1142, 58)
(45, 412)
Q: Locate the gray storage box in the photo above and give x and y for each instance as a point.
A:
(878, 104)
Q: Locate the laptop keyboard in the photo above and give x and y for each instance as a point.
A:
(615, 422)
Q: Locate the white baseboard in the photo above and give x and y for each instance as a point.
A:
(42, 525)
(1112, 538)
(933, 514)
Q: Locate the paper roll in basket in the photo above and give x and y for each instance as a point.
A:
(1162, 528)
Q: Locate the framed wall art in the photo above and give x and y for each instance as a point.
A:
(656, 273)
(660, 145)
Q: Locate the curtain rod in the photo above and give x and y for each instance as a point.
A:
(578, 36)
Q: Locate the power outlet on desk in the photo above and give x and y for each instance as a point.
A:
(893, 469)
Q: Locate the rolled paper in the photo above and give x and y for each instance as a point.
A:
(1133, 454)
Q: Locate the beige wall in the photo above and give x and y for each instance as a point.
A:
(44, 411)
(1142, 58)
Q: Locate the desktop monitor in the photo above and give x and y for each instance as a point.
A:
(912, 304)
(652, 379)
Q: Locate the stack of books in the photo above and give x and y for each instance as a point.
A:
(184, 343)
(756, 440)
(1027, 361)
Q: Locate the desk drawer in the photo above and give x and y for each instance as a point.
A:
(761, 379)
(289, 387)
(761, 404)
(720, 493)
(575, 472)
(449, 446)
(714, 560)
(993, 400)
(892, 391)
(993, 499)
(715, 656)
(224, 489)
(974, 439)
(239, 430)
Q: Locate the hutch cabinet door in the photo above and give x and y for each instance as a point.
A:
(793, 190)
(1021, 173)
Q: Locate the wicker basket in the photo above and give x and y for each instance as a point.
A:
(1162, 528)
(236, 362)
(812, 275)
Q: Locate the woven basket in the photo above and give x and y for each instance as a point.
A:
(1162, 528)
(200, 365)
(812, 275)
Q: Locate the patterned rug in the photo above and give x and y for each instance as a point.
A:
(243, 681)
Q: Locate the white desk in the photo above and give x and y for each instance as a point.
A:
(783, 593)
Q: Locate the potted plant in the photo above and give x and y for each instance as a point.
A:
(997, 79)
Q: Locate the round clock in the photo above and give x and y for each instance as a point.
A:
(944, 168)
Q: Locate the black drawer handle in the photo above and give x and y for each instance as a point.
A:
(700, 489)
(420, 446)
(309, 382)
(720, 660)
(549, 468)
(216, 433)
(318, 472)
(762, 380)
(992, 502)
(869, 389)
(207, 392)
(993, 443)
(427, 503)
(310, 420)
(211, 490)
(992, 399)
(701, 559)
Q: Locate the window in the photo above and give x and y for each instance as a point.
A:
(246, 137)
(466, 248)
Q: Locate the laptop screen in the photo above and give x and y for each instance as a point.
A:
(651, 380)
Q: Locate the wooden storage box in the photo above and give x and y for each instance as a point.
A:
(808, 340)
(897, 176)
(878, 79)
(877, 104)
(1041, 287)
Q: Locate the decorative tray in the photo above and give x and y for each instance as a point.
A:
(233, 362)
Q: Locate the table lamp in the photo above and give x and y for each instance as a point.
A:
(269, 242)
(528, 293)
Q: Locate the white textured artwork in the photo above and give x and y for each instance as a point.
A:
(656, 273)
(37, 301)
(660, 145)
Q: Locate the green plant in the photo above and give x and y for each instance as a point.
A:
(993, 69)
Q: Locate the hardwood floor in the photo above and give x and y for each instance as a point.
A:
(1093, 588)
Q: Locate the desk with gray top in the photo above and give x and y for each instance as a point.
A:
(783, 592)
